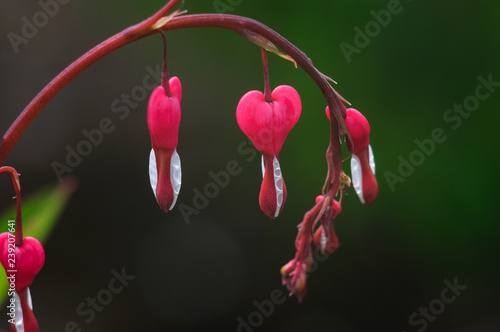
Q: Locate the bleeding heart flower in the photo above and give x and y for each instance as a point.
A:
(164, 117)
(22, 264)
(267, 125)
(362, 162)
(27, 260)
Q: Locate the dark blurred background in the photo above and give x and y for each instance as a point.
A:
(436, 222)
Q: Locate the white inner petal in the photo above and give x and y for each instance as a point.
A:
(19, 314)
(323, 239)
(30, 301)
(357, 179)
(175, 176)
(153, 173)
(371, 158)
(263, 168)
(278, 184)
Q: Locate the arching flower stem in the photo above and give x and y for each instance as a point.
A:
(242, 25)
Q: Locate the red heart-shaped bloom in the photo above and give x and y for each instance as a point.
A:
(268, 124)
(27, 260)
(362, 162)
(164, 117)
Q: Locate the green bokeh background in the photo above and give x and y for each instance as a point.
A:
(440, 223)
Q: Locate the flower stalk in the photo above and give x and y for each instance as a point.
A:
(164, 76)
(21, 259)
(267, 86)
(19, 216)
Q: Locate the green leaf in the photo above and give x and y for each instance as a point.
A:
(41, 211)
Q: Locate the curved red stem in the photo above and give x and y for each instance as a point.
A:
(241, 25)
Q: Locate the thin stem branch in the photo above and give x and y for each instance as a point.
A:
(267, 86)
(164, 76)
(14, 176)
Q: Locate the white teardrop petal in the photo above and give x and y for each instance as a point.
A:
(371, 158)
(153, 172)
(175, 176)
(278, 184)
(30, 301)
(357, 179)
(323, 239)
(19, 322)
(263, 167)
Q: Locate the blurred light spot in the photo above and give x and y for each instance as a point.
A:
(190, 275)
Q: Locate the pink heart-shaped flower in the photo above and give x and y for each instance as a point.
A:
(362, 162)
(27, 260)
(164, 117)
(267, 125)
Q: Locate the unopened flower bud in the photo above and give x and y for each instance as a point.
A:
(325, 238)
